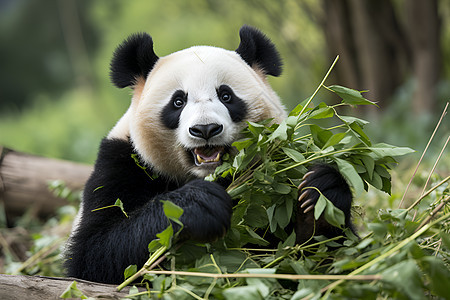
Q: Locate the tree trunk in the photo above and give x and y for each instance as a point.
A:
(37, 287)
(424, 35)
(24, 182)
(379, 50)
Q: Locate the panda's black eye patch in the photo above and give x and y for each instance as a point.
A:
(235, 105)
(179, 99)
(170, 115)
(225, 97)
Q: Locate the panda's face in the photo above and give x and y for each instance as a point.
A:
(192, 107)
(189, 107)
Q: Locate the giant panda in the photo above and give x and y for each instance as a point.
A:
(187, 108)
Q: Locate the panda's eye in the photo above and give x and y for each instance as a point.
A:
(225, 97)
(178, 102)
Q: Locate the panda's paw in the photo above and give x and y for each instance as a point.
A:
(306, 198)
(329, 181)
(208, 213)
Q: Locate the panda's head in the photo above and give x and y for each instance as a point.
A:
(189, 107)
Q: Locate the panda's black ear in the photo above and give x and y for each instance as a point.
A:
(134, 58)
(258, 51)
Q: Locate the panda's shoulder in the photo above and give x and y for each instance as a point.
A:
(118, 172)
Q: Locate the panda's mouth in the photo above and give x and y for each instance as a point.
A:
(208, 155)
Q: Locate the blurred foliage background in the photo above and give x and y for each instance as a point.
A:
(56, 98)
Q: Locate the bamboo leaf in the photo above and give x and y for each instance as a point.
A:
(349, 173)
(293, 154)
(350, 96)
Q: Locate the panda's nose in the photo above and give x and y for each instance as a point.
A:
(205, 131)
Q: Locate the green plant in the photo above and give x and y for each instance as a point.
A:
(403, 255)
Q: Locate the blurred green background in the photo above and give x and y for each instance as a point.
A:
(56, 99)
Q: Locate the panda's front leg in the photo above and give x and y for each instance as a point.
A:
(332, 185)
(207, 210)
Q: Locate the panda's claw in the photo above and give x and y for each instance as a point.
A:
(303, 195)
(302, 185)
(308, 202)
(308, 209)
(307, 175)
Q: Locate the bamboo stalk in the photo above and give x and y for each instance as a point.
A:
(274, 276)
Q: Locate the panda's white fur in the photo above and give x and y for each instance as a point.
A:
(186, 110)
(198, 71)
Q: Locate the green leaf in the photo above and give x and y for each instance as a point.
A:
(280, 133)
(369, 163)
(293, 154)
(243, 143)
(334, 215)
(255, 216)
(320, 135)
(291, 121)
(119, 204)
(171, 210)
(261, 284)
(439, 275)
(382, 150)
(377, 181)
(154, 245)
(320, 206)
(282, 216)
(445, 239)
(129, 271)
(360, 134)
(255, 238)
(350, 120)
(281, 188)
(271, 216)
(322, 112)
(73, 292)
(334, 139)
(349, 173)
(300, 107)
(133, 290)
(350, 96)
(242, 292)
(405, 277)
(165, 237)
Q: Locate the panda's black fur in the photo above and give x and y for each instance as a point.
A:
(104, 242)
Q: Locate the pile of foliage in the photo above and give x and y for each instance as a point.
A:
(404, 253)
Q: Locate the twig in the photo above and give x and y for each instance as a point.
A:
(318, 88)
(432, 171)
(153, 261)
(427, 193)
(39, 255)
(434, 212)
(423, 154)
(274, 276)
(390, 252)
(435, 165)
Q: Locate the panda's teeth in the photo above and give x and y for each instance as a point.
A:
(201, 160)
(217, 158)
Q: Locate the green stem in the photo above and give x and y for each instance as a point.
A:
(296, 249)
(427, 193)
(317, 157)
(387, 254)
(320, 85)
(147, 265)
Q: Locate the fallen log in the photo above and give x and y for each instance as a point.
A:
(39, 287)
(24, 181)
